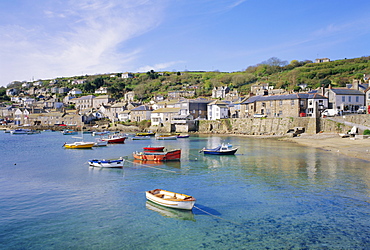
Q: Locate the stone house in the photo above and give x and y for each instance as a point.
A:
(102, 100)
(163, 115)
(55, 118)
(75, 91)
(289, 105)
(217, 110)
(141, 113)
(84, 102)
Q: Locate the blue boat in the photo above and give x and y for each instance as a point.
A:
(220, 150)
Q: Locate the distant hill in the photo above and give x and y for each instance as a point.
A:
(273, 71)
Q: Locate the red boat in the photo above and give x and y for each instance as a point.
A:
(172, 155)
(115, 139)
(153, 148)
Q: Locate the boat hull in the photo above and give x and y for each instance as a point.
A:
(153, 149)
(173, 155)
(174, 137)
(171, 199)
(107, 163)
(115, 139)
(214, 152)
(79, 145)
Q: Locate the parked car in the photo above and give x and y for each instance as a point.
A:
(361, 110)
(329, 112)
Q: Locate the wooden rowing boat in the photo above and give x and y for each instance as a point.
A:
(171, 199)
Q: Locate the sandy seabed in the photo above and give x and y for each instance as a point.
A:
(350, 146)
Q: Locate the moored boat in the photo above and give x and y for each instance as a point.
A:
(79, 145)
(100, 143)
(95, 133)
(69, 132)
(166, 137)
(172, 155)
(20, 131)
(141, 137)
(220, 150)
(113, 163)
(171, 199)
(145, 134)
(115, 138)
(154, 148)
(183, 136)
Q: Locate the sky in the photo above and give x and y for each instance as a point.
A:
(47, 39)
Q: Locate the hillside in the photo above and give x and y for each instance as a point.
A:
(273, 71)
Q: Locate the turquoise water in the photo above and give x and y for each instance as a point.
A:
(270, 195)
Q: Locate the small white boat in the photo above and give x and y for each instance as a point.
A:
(166, 137)
(20, 131)
(100, 143)
(100, 133)
(118, 163)
(171, 199)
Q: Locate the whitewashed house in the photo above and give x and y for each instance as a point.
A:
(217, 110)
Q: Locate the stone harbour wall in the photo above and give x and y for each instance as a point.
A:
(270, 126)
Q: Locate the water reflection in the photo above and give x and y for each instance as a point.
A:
(170, 212)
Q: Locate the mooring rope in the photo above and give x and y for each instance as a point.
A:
(147, 166)
(218, 217)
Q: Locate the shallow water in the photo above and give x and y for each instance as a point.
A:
(270, 195)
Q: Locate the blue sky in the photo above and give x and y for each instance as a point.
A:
(45, 39)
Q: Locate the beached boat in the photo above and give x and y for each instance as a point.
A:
(172, 155)
(171, 199)
(141, 137)
(166, 137)
(154, 148)
(100, 143)
(222, 149)
(113, 163)
(79, 145)
(115, 138)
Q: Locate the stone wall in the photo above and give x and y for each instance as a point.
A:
(270, 126)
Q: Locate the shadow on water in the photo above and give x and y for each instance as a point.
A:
(170, 212)
(203, 210)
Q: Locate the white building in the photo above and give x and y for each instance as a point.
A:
(217, 110)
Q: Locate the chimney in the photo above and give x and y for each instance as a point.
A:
(355, 84)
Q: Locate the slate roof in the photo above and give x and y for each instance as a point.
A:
(347, 92)
(284, 97)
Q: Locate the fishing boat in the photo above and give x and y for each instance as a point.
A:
(166, 137)
(100, 143)
(183, 136)
(223, 149)
(115, 138)
(117, 163)
(79, 145)
(145, 134)
(154, 148)
(141, 137)
(171, 199)
(172, 155)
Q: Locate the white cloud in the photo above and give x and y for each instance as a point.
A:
(81, 37)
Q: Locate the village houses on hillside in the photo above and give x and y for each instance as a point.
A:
(179, 109)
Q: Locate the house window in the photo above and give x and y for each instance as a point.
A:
(349, 98)
(357, 99)
(343, 98)
(281, 102)
(292, 102)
